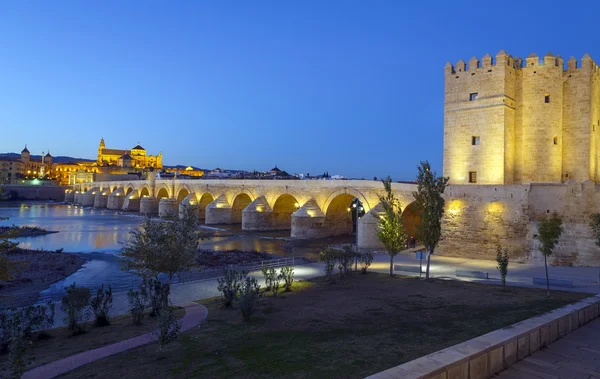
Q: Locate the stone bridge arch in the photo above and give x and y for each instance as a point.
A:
(145, 191)
(283, 208)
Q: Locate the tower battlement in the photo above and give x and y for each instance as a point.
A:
(512, 120)
(502, 58)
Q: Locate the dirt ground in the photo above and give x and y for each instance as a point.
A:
(358, 326)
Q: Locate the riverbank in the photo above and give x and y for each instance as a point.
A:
(37, 270)
(23, 231)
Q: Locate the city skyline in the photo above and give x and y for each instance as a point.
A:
(341, 87)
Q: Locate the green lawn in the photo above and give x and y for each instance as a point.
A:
(358, 326)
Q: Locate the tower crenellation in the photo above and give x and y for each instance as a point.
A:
(509, 120)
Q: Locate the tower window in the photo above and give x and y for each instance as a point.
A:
(547, 99)
(473, 96)
(472, 176)
(555, 140)
(475, 140)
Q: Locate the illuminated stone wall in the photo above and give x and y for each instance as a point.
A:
(479, 217)
(536, 121)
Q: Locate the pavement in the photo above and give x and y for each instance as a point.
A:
(575, 356)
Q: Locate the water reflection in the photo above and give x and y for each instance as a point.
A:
(99, 235)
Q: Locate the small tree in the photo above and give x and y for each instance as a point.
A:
(430, 203)
(502, 260)
(158, 294)
(168, 327)
(249, 295)
(137, 304)
(270, 276)
(549, 232)
(229, 285)
(287, 275)
(75, 305)
(101, 305)
(345, 258)
(595, 227)
(391, 232)
(365, 261)
(163, 246)
(329, 257)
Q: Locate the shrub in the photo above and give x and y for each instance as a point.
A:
(249, 294)
(101, 305)
(287, 274)
(168, 327)
(275, 286)
(75, 305)
(502, 259)
(17, 327)
(158, 294)
(270, 276)
(365, 261)
(345, 258)
(137, 304)
(329, 257)
(229, 285)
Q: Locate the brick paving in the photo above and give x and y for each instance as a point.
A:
(575, 356)
(195, 314)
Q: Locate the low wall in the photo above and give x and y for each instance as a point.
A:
(487, 355)
(36, 192)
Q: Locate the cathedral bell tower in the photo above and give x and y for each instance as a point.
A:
(100, 150)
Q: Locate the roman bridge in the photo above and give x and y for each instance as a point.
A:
(308, 208)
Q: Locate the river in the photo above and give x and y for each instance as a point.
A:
(99, 234)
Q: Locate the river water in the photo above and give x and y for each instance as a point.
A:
(99, 234)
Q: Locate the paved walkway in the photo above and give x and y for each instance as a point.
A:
(575, 356)
(195, 314)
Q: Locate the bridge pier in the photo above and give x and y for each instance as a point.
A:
(218, 212)
(69, 196)
(89, 197)
(308, 221)
(191, 203)
(167, 207)
(101, 199)
(257, 215)
(115, 199)
(367, 229)
(149, 205)
(131, 203)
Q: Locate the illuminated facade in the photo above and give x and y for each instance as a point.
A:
(134, 158)
(509, 121)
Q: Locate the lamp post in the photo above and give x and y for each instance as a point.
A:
(358, 208)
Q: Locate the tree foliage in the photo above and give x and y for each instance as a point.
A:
(101, 305)
(161, 246)
(549, 232)
(75, 306)
(391, 231)
(502, 261)
(430, 204)
(8, 268)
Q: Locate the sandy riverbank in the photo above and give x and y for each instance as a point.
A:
(37, 270)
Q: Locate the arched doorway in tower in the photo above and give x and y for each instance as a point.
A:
(145, 192)
(284, 206)
(162, 193)
(411, 219)
(205, 199)
(183, 193)
(240, 202)
(338, 219)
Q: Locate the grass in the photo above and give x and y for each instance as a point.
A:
(358, 326)
(60, 342)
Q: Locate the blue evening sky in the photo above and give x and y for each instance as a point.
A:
(349, 87)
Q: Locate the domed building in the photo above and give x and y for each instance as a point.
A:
(135, 158)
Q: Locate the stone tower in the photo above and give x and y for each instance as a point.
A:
(508, 121)
(100, 149)
(25, 156)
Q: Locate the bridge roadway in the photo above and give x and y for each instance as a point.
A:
(309, 208)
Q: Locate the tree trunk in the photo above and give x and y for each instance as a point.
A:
(391, 265)
(428, 261)
(547, 279)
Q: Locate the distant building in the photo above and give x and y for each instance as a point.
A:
(11, 169)
(135, 158)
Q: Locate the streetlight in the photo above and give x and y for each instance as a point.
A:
(358, 209)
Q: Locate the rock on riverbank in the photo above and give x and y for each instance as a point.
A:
(36, 271)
